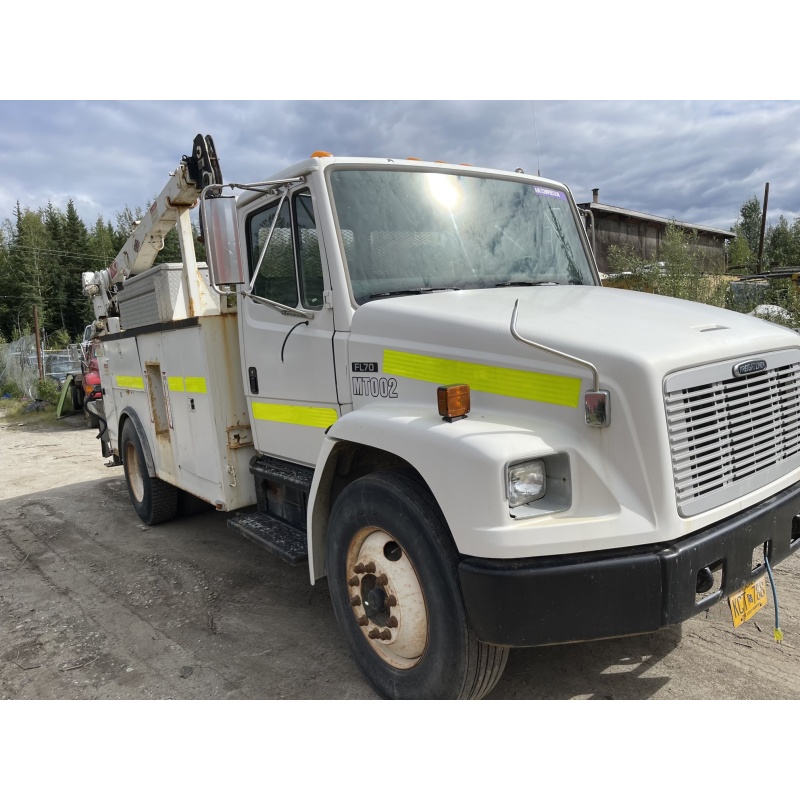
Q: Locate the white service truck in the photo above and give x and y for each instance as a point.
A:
(408, 374)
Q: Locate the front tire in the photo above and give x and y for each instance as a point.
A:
(393, 577)
(154, 500)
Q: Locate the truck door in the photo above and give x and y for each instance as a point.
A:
(286, 332)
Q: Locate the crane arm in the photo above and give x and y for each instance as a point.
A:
(147, 239)
(180, 194)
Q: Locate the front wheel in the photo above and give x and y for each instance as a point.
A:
(154, 500)
(392, 572)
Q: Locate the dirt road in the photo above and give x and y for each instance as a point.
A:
(94, 604)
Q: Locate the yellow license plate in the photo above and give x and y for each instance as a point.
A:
(747, 601)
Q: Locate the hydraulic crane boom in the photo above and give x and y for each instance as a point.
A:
(170, 208)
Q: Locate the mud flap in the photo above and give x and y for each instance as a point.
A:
(62, 398)
(93, 409)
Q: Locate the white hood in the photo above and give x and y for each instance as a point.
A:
(597, 324)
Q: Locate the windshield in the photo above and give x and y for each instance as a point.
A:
(412, 232)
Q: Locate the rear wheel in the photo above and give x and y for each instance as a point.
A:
(189, 505)
(92, 421)
(392, 572)
(76, 395)
(154, 500)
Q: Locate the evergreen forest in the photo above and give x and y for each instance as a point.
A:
(43, 253)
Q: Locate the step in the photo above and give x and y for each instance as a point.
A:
(282, 472)
(281, 539)
(282, 489)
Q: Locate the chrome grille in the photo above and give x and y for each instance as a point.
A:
(732, 435)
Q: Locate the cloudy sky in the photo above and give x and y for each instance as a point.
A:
(692, 160)
(696, 161)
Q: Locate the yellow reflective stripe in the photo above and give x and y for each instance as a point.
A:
(295, 415)
(538, 386)
(175, 383)
(196, 385)
(180, 384)
(130, 381)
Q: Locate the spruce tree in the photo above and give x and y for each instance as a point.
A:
(32, 273)
(76, 260)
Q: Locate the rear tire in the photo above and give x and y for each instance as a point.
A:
(76, 394)
(91, 421)
(189, 504)
(154, 500)
(393, 578)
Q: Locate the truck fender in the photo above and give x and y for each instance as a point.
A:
(128, 413)
(450, 457)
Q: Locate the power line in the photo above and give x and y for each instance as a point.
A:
(47, 251)
(41, 297)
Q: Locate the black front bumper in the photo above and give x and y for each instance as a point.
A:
(551, 600)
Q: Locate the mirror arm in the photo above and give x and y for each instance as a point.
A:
(287, 310)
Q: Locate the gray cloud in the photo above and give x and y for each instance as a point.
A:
(695, 161)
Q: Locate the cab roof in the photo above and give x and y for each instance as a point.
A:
(317, 163)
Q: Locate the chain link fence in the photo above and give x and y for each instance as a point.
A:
(19, 368)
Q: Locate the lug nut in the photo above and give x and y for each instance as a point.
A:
(374, 634)
(370, 567)
(353, 581)
(385, 635)
(392, 622)
(355, 601)
(382, 580)
(359, 568)
(391, 600)
(363, 621)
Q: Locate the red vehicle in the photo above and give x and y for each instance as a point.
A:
(86, 387)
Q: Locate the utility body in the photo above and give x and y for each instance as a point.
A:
(407, 374)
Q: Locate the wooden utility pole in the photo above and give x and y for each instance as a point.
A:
(763, 227)
(38, 342)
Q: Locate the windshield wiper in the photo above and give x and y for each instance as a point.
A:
(529, 283)
(421, 290)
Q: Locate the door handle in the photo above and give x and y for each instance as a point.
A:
(252, 374)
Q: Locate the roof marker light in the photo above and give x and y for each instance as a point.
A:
(321, 154)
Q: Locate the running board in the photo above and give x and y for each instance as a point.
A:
(274, 535)
(282, 490)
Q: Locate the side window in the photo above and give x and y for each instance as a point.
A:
(276, 276)
(310, 261)
(276, 279)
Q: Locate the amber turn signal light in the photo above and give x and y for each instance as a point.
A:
(453, 401)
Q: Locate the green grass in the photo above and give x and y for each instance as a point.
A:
(25, 410)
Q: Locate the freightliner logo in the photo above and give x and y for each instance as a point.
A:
(749, 368)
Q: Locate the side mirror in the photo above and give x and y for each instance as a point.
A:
(221, 231)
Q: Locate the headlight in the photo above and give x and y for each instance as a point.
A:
(526, 482)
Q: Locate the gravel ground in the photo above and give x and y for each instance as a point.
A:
(96, 605)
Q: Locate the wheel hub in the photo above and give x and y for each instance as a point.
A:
(374, 602)
(386, 598)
